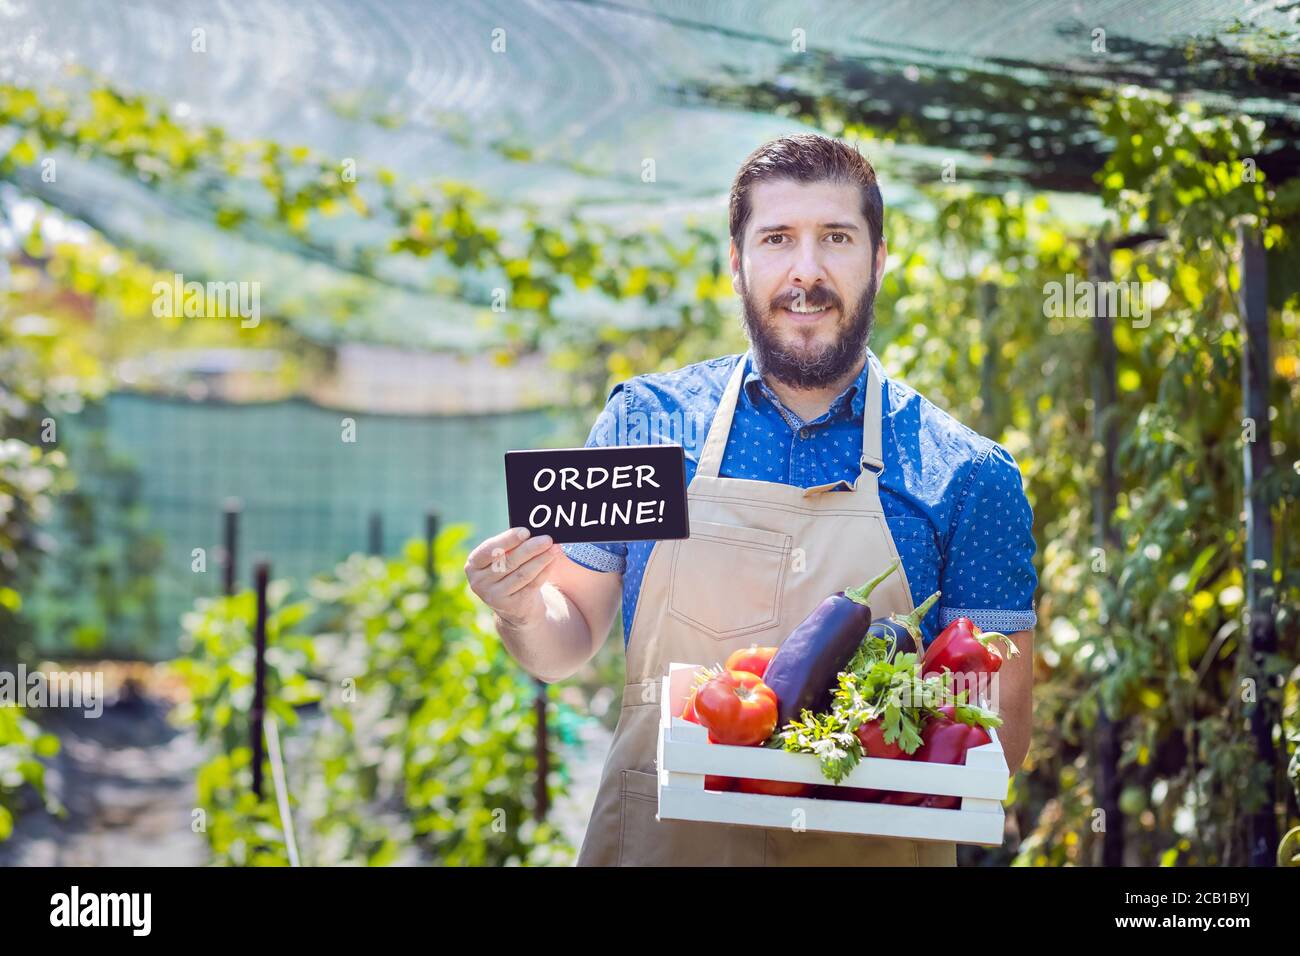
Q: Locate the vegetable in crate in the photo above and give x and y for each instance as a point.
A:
(778, 788)
(887, 664)
(829, 737)
(877, 711)
(964, 649)
(737, 708)
(711, 781)
(888, 693)
(753, 659)
(945, 739)
(774, 788)
(902, 633)
(803, 672)
(871, 736)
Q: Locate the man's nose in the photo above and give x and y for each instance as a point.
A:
(806, 269)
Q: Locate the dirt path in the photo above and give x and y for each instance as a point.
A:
(126, 780)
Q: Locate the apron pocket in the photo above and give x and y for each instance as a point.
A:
(644, 840)
(727, 580)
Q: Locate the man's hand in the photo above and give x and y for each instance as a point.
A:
(553, 614)
(505, 572)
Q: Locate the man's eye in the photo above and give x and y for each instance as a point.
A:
(775, 235)
(844, 236)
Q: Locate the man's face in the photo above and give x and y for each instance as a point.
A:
(807, 280)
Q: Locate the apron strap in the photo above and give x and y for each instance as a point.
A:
(871, 420)
(716, 442)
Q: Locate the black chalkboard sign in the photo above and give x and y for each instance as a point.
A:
(621, 493)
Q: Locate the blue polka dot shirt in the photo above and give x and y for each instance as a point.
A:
(953, 499)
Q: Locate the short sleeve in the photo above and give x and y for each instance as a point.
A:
(988, 574)
(607, 555)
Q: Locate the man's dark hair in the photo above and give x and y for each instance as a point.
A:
(807, 158)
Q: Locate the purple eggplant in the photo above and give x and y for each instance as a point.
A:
(803, 672)
(902, 632)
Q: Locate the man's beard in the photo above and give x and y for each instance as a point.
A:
(800, 368)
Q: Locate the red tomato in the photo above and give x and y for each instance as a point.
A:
(711, 781)
(775, 788)
(737, 708)
(753, 659)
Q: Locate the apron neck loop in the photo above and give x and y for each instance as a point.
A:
(716, 442)
(871, 421)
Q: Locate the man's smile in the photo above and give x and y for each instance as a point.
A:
(809, 314)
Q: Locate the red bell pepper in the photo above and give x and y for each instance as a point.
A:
(872, 737)
(963, 648)
(775, 788)
(943, 740)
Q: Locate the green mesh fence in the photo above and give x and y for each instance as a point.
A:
(153, 475)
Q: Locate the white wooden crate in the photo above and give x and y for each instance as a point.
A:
(685, 756)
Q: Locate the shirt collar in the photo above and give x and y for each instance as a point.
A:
(854, 395)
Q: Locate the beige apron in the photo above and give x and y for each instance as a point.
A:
(761, 556)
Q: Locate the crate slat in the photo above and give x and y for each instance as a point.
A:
(833, 816)
(871, 772)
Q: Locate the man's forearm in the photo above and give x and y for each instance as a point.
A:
(553, 647)
(1014, 734)
(1016, 700)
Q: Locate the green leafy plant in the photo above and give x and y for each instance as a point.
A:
(421, 733)
(21, 744)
